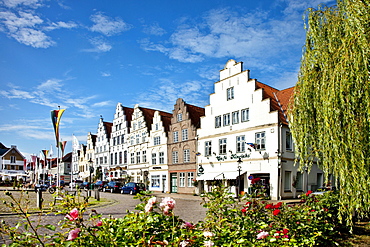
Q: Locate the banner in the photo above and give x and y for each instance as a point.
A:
(56, 115)
(62, 146)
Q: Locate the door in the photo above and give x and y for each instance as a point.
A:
(173, 182)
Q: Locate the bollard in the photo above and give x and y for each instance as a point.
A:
(97, 194)
(39, 198)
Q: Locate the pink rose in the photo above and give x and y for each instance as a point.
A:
(73, 234)
(262, 235)
(152, 200)
(148, 207)
(100, 223)
(169, 202)
(73, 215)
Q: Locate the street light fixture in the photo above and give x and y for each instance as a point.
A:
(239, 170)
(91, 171)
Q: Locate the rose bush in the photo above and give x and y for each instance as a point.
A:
(253, 222)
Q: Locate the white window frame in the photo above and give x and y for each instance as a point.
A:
(218, 121)
(207, 148)
(245, 115)
(261, 140)
(181, 179)
(186, 155)
(226, 118)
(190, 179)
(184, 134)
(179, 117)
(288, 141)
(240, 144)
(222, 146)
(175, 157)
(235, 117)
(154, 158)
(157, 140)
(156, 181)
(175, 136)
(230, 93)
(161, 157)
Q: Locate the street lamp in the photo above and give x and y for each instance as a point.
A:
(239, 170)
(91, 171)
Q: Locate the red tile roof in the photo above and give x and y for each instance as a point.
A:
(279, 99)
(149, 114)
(195, 113)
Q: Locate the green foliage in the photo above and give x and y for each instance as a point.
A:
(228, 223)
(330, 118)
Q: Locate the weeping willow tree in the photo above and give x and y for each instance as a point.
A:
(330, 112)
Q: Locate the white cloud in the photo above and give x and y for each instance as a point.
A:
(154, 29)
(24, 28)
(15, 3)
(163, 96)
(107, 25)
(100, 45)
(105, 74)
(103, 103)
(61, 24)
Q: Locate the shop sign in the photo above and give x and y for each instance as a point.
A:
(233, 156)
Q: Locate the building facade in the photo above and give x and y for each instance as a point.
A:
(12, 163)
(244, 137)
(182, 146)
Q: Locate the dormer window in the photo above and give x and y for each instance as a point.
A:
(230, 93)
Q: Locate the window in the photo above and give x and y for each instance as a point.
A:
(157, 140)
(288, 141)
(182, 179)
(245, 115)
(190, 179)
(120, 157)
(217, 121)
(222, 146)
(132, 140)
(207, 148)
(175, 157)
(132, 158)
(105, 160)
(175, 136)
(235, 117)
(154, 159)
(179, 117)
(260, 141)
(12, 159)
(125, 157)
(161, 157)
(287, 181)
(144, 156)
(186, 155)
(143, 136)
(155, 181)
(156, 126)
(111, 158)
(230, 93)
(137, 138)
(184, 134)
(101, 160)
(240, 144)
(114, 141)
(320, 180)
(115, 158)
(137, 157)
(123, 139)
(299, 181)
(227, 119)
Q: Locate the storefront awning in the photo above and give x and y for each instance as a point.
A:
(219, 176)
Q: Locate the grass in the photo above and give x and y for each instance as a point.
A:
(28, 201)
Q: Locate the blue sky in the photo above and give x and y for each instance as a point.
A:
(86, 56)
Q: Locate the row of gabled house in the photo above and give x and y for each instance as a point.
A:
(241, 138)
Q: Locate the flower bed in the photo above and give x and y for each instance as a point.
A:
(228, 223)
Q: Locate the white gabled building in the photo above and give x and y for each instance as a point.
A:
(245, 121)
(102, 147)
(157, 152)
(118, 143)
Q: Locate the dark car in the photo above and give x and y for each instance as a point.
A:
(42, 187)
(132, 188)
(85, 185)
(75, 184)
(99, 185)
(112, 186)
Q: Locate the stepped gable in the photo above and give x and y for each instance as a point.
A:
(279, 99)
(195, 113)
(108, 127)
(128, 113)
(149, 114)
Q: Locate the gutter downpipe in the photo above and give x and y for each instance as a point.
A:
(279, 161)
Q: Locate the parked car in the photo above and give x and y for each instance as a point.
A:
(85, 185)
(76, 184)
(323, 190)
(112, 186)
(132, 188)
(99, 185)
(42, 187)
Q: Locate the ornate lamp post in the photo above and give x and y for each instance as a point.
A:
(239, 170)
